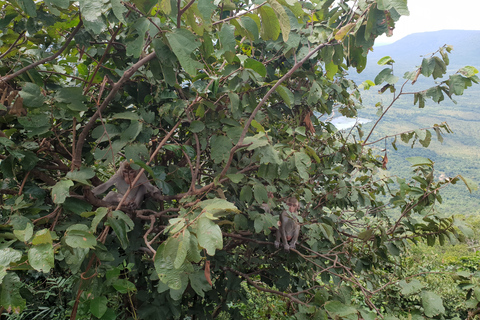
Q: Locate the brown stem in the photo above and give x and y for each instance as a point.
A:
(20, 36)
(52, 57)
(395, 98)
(182, 11)
(265, 98)
(109, 45)
(77, 157)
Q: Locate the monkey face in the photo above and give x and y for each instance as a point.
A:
(129, 175)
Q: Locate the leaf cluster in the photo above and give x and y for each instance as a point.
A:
(220, 103)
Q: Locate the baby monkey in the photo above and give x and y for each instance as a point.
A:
(288, 229)
(122, 180)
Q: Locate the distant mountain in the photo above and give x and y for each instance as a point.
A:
(460, 151)
(408, 51)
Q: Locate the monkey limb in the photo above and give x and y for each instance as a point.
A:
(123, 180)
(289, 228)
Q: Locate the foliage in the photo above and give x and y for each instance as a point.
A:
(218, 102)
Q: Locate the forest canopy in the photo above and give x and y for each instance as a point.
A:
(152, 152)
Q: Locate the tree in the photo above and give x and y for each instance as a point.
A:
(219, 103)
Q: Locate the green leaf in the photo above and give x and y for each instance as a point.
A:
(78, 236)
(332, 70)
(338, 309)
(327, 231)
(468, 71)
(209, 235)
(137, 152)
(257, 141)
(428, 66)
(221, 146)
(386, 75)
(73, 97)
(145, 6)
(411, 287)
(286, 95)
(91, 9)
(10, 298)
(432, 304)
(283, 19)
(435, 93)
(183, 246)
(7, 256)
(214, 208)
(41, 257)
(235, 178)
(302, 163)
(251, 27)
(81, 175)
(42, 237)
(199, 283)
(37, 124)
(197, 126)
(32, 95)
(399, 5)
(118, 10)
(269, 155)
(260, 193)
(246, 194)
(100, 213)
(124, 286)
(270, 29)
(121, 222)
(98, 306)
(457, 84)
(29, 7)
(344, 31)
(22, 228)
(387, 60)
(440, 68)
(132, 131)
(256, 66)
(227, 37)
(365, 235)
(183, 43)
(420, 161)
(471, 185)
(61, 190)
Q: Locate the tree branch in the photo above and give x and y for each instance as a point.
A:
(33, 65)
(77, 157)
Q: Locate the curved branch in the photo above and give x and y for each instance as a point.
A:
(33, 65)
(265, 98)
(77, 157)
(20, 36)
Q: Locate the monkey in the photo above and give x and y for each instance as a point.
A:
(122, 180)
(288, 229)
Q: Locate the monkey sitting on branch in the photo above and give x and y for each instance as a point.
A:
(122, 180)
(289, 228)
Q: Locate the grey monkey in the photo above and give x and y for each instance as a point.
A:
(289, 228)
(122, 180)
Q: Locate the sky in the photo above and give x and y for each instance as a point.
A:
(434, 15)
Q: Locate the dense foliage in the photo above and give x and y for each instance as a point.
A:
(219, 103)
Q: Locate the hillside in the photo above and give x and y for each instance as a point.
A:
(460, 151)
(408, 51)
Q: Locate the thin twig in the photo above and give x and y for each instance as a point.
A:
(52, 57)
